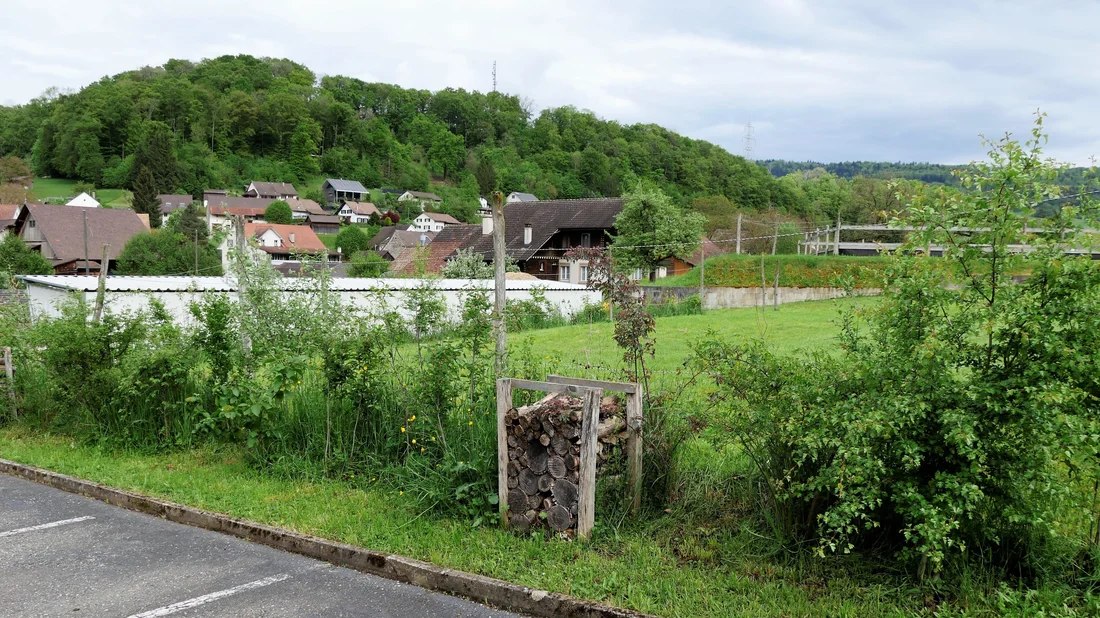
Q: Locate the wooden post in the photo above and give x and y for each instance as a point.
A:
(775, 238)
(836, 245)
(196, 253)
(9, 375)
(101, 287)
(775, 291)
(763, 284)
(586, 510)
(738, 233)
(242, 277)
(634, 446)
(702, 274)
(499, 329)
(504, 403)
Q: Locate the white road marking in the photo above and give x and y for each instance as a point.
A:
(52, 524)
(213, 596)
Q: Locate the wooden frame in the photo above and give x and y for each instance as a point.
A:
(592, 392)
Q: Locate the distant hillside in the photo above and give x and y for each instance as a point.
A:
(924, 172)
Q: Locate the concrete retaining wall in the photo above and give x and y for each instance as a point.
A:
(732, 298)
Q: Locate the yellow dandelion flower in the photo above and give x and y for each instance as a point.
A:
(402, 430)
(422, 449)
(471, 422)
(433, 438)
(414, 440)
(401, 493)
(373, 478)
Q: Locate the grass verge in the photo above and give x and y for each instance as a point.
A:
(663, 567)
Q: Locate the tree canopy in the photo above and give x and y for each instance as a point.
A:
(652, 229)
(278, 212)
(17, 258)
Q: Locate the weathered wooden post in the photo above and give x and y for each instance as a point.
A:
(504, 403)
(9, 376)
(500, 284)
(586, 511)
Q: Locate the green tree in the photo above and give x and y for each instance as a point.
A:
(448, 153)
(651, 229)
(90, 163)
(189, 222)
(16, 258)
(145, 197)
(302, 149)
(168, 252)
(367, 264)
(156, 155)
(351, 240)
(278, 212)
(486, 176)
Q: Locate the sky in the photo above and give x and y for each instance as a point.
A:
(820, 80)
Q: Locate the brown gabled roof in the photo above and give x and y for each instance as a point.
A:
(424, 195)
(224, 201)
(440, 217)
(307, 206)
(546, 217)
(330, 219)
(172, 202)
(444, 245)
(274, 188)
(711, 250)
(7, 211)
(390, 240)
(63, 229)
(304, 238)
(364, 209)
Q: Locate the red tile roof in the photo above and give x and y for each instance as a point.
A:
(304, 238)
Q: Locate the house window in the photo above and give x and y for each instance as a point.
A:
(563, 273)
(637, 274)
(30, 222)
(584, 274)
(586, 240)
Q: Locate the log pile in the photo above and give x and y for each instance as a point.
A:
(544, 449)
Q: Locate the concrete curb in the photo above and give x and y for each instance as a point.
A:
(495, 592)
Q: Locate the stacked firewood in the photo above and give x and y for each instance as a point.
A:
(544, 449)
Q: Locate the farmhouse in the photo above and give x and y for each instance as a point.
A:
(516, 196)
(537, 236)
(420, 196)
(433, 222)
(338, 191)
(57, 232)
(287, 242)
(390, 241)
(357, 212)
(84, 200)
(273, 190)
(324, 224)
(170, 203)
(301, 209)
(368, 298)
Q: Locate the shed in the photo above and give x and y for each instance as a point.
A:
(324, 224)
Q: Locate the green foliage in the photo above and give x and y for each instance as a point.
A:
(278, 212)
(800, 271)
(145, 197)
(168, 252)
(468, 264)
(956, 421)
(651, 229)
(302, 149)
(368, 264)
(155, 153)
(12, 167)
(188, 221)
(352, 240)
(486, 177)
(16, 258)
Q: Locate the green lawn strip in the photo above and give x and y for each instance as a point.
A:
(51, 187)
(329, 240)
(659, 567)
(804, 271)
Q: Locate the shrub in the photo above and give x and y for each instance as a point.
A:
(352, 240)
(278, 212)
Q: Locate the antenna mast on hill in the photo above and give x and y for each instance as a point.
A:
(749, 141)
(494, 76)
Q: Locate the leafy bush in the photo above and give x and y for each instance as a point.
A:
(957, 422)
(352, 240)
(278, 212)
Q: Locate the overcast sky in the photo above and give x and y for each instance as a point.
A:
(829, 81)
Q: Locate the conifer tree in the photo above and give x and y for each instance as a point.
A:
(145, 197)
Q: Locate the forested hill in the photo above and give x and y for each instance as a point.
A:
(924, 172)
(223, 122)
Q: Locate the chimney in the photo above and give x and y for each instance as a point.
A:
(292, 238)
(487, 225)
(526, 234)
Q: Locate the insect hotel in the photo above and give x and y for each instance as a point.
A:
(548, 453)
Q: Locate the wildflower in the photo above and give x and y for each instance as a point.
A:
(401, 493)
(433, 438)
(413, 418)
(402, 430)
(471, 422)
(373, 479)
(422, 449)
(414, 441)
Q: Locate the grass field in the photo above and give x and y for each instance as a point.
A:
(795, 270)
(46, 188)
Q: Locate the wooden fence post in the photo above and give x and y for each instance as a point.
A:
(586, 510)
(504, 403)
(9, 375)
(634, 446)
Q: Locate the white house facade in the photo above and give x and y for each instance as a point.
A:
(83, 200)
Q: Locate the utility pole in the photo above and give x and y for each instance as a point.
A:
(499, 283)
(775, 237)
(242, 277)
(101, 288)
(494, 76)
(87, 268)
(738, 233)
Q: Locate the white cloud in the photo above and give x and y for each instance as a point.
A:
(856, 79)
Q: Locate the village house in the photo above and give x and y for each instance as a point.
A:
(423, 197)
(84, 200)
(338, 191)
(222, 216)
(288, 242)
(392, 240)
(516, 196)
(301, 209)
(357, 212)
(324, 224)
(433, 222)
(170, 203)
(537, 236)
(57, 232)
(8, 215)
(273, 190)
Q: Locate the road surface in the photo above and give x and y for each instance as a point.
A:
(68, 555)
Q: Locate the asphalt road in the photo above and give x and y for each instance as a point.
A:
(67, 555)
